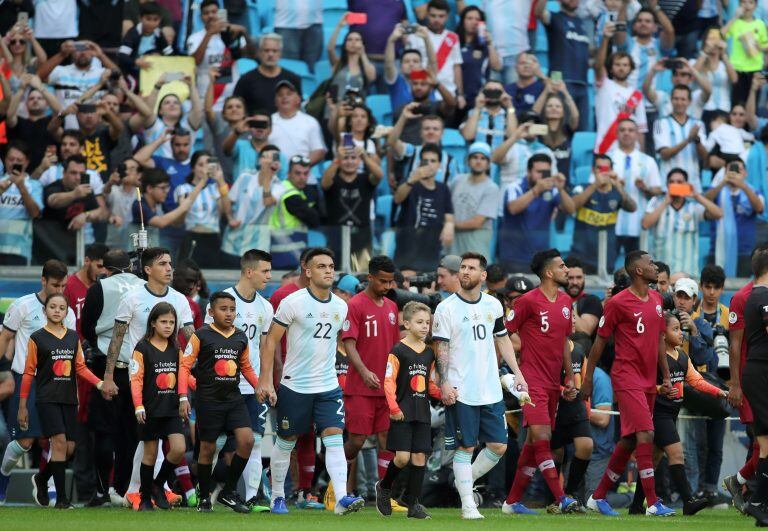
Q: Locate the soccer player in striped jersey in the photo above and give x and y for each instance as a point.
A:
(309, 389)
(254, 315)
(469, 333)
(24, 316)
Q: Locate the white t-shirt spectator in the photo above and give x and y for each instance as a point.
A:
(72, 83)
(631, 167)
(299, 135)
(298, 14)
(448, 51)
(610, 100)
(55, 19)
(214, 55)
(728, 138)
(508, 24)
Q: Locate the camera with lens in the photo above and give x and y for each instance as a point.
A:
(423, 280)
(720, 343)
(677, 313)
(353, 98)
(401, 297)
(621, 282)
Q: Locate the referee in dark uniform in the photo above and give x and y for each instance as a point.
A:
(754, 380)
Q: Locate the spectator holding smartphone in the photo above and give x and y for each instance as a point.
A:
(120, 193)
(735, 232)
(246, 140)
(353, 70)
(21, 201)
(170, 111)
(682, 74)
(714, 63)
(478, 53)
(354, 127)
(561, 115)
(597, 208)
(673, 219)
(522, 143)
(528, 84)
(423, 85)
(142, 40)
(399, 83)
(425, 221)
(222, 123)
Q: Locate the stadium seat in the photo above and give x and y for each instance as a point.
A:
(254, 17)
(316, 239)
(553, 6)
(706, 179)
(580, 177)
(562, 241)
(384, 210)
(383, 224)
(267, 15)
(301, 69)
(582, 148)
(381, 107)
(331, 16)
(323, 70)
(245, 65)
(455, 144)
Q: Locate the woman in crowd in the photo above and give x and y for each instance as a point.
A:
(353, 70)
(477, 52)
(561, 115)
(222, 122)
(201, 224)
(171, 114)
(716, 65)
(22, 53)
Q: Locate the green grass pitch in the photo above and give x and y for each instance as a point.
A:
(21, 518)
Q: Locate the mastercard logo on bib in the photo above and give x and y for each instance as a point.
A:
(225, 368)
(62, 368)
(418, 383)
(166, 380)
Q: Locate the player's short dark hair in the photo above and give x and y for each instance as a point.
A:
(685, 88)
(662, 267)
(96, 251)
(572, 262)
(74, 133)
(53, 296)
(760, 264)
(713, 274)
(476, 256)
(149, 8)
(619, 55)
(668, 316)
(54, 269)
(153, 177)
(74, 159)
(541, 260)
(151, 254)
(442, 5)
(318, 251)
(381, 263)
(206, 3)
(681, 171)
(632, 258)
(537, 157)
(602, 156)
(162, 308)
(268, 148)
(495, 273)
(18, 145)
(303, 255)
(410, 50)
(117, 260)
(217, 295)
(251, 257)
(431, 148)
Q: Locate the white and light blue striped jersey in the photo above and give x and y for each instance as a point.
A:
(56, 172)
(663, 104)
(135, 306)
(159, 128)
(470, 329)
(669, 132)
(70, 83)
(15, 221)
(298, 14)
(26, 315)
(490, 129)
(247, 196)
(253, 317)
(644, 57)
(205, 209)
(515, 165)
(630, 167)
(676, 234)
(313, 328)
(720, 98)
(508, 24)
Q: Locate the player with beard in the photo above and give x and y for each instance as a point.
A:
(542, 318)
(469, 334)
(616, 98)
(586, 307)
(635, 319)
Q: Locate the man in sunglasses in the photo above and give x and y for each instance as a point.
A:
(246, 141)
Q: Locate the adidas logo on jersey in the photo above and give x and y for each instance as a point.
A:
(238, 315)
(36, 318)
(147, 309)
(465, 320)
(310, 316)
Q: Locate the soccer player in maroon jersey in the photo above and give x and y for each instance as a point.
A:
(85, 277)
(738, 357)
(369, 333)
(305, 445)
(635, 319)
(542, 318)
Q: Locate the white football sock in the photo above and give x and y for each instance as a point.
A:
(336, 464)
(485, 461)
(462, 470)
(135, 484)
(252, 472)
(279, 464)
(13, 453)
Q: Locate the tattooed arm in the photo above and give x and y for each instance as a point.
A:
(188, 330)
(113, 352)
(448, 392)
(507, 352)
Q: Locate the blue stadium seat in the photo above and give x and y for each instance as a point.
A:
(323, 70)
(381, 106)
(706, 179)
(327, 32)
(383, 210)
(254, 17)
(316, 239)
(332, 16)
(580, 177)
(582, 147)
(335, 5)
(455, 144)
(553, 6)
(383, 224)
(301, 69)
(562, 241)
(267, 15)
(245, 65)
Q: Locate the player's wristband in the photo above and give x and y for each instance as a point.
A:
(100, 385)
(183, 399)
(140, 409)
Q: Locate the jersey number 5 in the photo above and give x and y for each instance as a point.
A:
(544, 323)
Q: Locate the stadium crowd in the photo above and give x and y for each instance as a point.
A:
(429, 136)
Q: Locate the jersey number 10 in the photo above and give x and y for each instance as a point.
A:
(478, 332)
